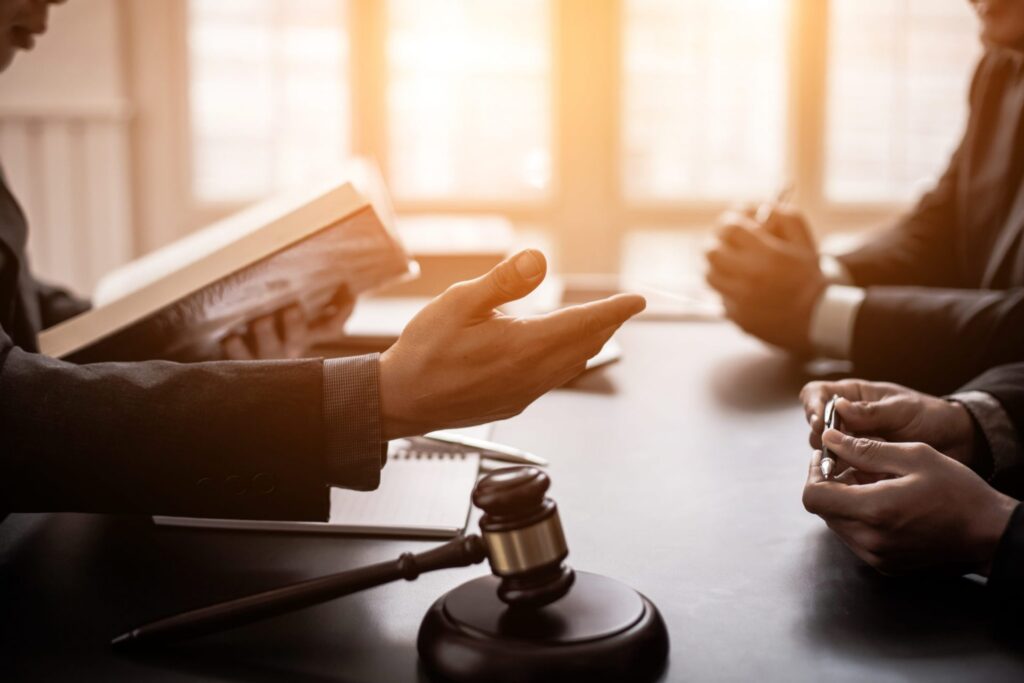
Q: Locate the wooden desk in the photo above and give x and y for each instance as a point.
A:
(677, 470)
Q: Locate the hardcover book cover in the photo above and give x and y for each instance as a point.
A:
(179, 302)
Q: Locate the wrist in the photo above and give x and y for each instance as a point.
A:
(813, 293)
(395, 414)
(964, 433)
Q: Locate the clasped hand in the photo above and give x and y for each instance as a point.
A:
(768, 276)
(900, 502)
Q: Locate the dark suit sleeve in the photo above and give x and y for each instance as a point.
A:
(937, 339)
(918, 250)
(57, 304)
(921, 248)
(1006, 580)
(225, 439)
(1006, 385)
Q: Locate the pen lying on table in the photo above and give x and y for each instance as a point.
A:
(487, 449)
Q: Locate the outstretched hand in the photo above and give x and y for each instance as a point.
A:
(461, 362)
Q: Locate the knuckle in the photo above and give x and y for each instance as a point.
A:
(459, 290)
(589, 324)
(865, 447)
(875, 515)
(874, 543)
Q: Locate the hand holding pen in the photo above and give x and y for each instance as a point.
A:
(831, 418)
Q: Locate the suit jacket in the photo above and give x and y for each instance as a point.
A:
(221, 439)
(945, 285)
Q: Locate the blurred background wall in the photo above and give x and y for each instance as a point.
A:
(618, 129)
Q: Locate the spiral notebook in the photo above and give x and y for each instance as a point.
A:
(422, 493)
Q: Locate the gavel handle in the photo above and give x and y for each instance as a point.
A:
(459, 552)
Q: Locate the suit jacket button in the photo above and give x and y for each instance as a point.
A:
(263, 483)
(235, 484)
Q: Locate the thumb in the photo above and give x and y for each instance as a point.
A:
(512, 279)
(870, 455)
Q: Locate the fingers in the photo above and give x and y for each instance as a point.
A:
(737, 263)
(735, 288)
(878, 457)
(814, 396)
(294, 332)
(791, 226)
(581, 323)
(235, 349)
(830, 498)
(512, 279)
(886, 416)
(264, 335)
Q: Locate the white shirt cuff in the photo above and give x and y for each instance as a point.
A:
(834, 270)
(833, 319)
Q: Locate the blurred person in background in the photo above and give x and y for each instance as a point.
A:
(934, 300)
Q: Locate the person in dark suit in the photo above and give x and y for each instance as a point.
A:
(936, 299)
(926, 483)
(257, 439)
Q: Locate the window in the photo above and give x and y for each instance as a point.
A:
(704, 98)
(899, 72)
(597, 121)
(469, 110)
(268, 95)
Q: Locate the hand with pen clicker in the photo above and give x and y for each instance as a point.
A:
(902, 494)
(765, 265)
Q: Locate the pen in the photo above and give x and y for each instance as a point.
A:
(765, 211)
(489, 449)
(828, 463)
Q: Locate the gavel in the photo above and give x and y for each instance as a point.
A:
(521, 536)
(533, 618)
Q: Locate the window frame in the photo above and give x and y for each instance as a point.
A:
(585, 212)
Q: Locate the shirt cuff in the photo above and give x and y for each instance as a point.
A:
(833, 318)
(355, 451)
(995, 424)
(834, 270)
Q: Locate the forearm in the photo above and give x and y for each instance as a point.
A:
(355, 448)
(936, 339)
(208, 439)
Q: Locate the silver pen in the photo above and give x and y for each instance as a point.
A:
(488, 449)
(764, 212)
(828, 463)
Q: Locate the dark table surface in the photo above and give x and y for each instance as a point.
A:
(677, 470)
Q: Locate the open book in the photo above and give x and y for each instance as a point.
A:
(180, 301)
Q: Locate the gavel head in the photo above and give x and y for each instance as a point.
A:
(523, 534)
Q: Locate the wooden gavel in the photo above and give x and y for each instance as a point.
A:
(521, 537)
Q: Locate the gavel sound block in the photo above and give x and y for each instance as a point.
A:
(532, 619)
